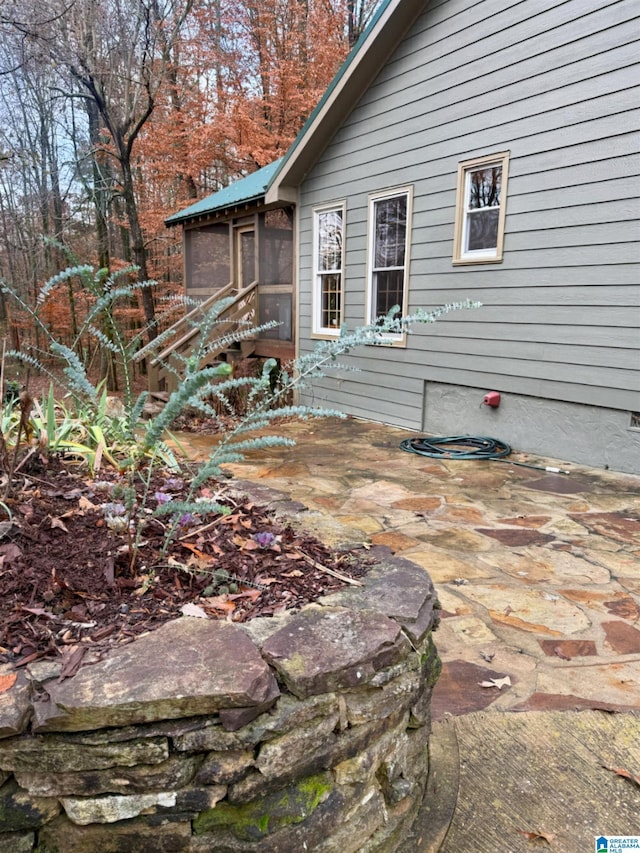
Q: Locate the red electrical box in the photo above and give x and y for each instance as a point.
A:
(492, 399)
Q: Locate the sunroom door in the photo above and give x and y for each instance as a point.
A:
(245, 256)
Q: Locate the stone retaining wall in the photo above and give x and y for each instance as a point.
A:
(303, 732)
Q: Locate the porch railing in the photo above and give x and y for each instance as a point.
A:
(240, 313)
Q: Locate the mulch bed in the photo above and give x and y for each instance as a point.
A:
(67, 584)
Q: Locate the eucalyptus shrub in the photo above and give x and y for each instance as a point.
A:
(138, 446)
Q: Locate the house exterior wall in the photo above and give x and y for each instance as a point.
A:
(556, 85)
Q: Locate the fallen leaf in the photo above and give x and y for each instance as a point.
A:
(192, 609)
(296, 573)
(57, 522)
(194, 550)
(249, 593)
(10, 553)
(221, 603)
(537, 836)
(85, 503)
(497, 682)
(620, 771)
(38, 611)
(7, 681)
(73, 663)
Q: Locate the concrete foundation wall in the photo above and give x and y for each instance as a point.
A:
(587, 435)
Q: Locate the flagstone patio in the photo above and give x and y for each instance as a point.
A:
(538, 576)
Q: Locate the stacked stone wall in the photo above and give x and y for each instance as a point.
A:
(302, 732)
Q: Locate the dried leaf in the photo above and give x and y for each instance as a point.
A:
(221, 603)
(560, 654)
(537, 836)
(620, 771)
(58, 523)
(72, 664)
(249, 593)
(200, 554)
(9, 553)
(296, 573)
(7, 681)
(39, 611)
(497, 682)
(192, 609)
(85, 504)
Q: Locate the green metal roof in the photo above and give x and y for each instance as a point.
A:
(245, 190)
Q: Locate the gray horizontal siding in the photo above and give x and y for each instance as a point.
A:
(392, 405)
(556, 84)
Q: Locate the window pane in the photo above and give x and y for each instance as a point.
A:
(390, 232)
(388, 288)
(330, 301)
(482, 229)
(247, 257)
(484, 187)
(330, 240)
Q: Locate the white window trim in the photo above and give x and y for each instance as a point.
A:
(479, 256)
(390, 340)
(317, 329)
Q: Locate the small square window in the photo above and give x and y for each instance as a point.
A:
(480, 209)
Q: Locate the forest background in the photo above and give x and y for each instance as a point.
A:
(116, 113)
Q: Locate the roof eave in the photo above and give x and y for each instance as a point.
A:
(231, 210)
(360, 69)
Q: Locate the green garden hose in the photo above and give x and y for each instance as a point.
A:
(457, 447)
(469, 447)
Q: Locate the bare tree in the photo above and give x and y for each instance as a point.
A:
(359, 13)
(117, 52)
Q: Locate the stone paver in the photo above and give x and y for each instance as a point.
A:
(538, 574)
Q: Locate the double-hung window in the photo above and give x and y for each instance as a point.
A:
(328, 262)
(480, 209)
(389, 226)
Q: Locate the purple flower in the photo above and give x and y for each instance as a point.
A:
(163, 497)
(264, 539)
(174, 484)
(186, 519)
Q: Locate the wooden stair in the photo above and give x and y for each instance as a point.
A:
(239, 313)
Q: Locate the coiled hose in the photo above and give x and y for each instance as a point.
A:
(469, 447)
(457, 447)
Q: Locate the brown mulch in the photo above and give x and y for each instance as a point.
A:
(67, 583)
